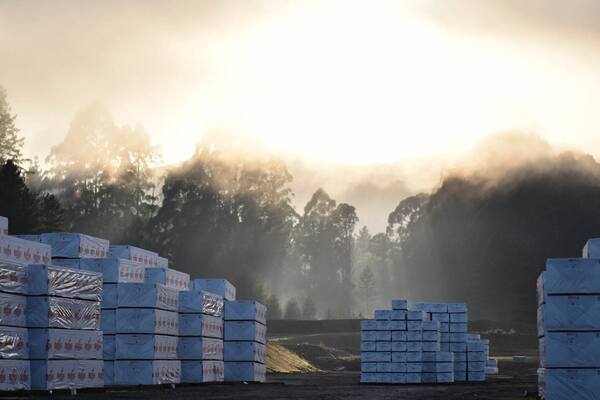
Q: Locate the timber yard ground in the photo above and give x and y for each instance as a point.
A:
(332, 347)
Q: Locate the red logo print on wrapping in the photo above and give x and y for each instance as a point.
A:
(61, 375)
(2, 376)
(27, 255)
(18, 311)
(36, 257)
(13, 376)
(7, 251)
(98, 344)
(92, 375)
(24, 377)
(45, 258)
(88, 345)
(81, 375)
(58, 345)
(71, 375)
(17, 252)
(68, 345)
(78, 346)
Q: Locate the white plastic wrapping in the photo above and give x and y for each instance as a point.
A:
(147, 295)
(200, 301)
(66, 374)
(222, 287)
(169, 277)
(58, 312)
(591, 249)
(12, 310)
(162, 262)
(20, 251)
(64, 282)
(569, 276)
(65, 344)
(147, 372)
(145, 257)
(13, 277)
(3, 225)
(14, 375)
(75, 245)
(14, 343)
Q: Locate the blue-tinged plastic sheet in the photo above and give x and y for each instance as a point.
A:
(75, 245)
(145, 347)
(58, 312)
(430, 307)
(569, 276)
(245, 330)
(109, 373)
(147, 295)
(200, 348)
(147, 320)
(14, 343)
(457, 308)
(244, 351)
(65, 344)
(14, 375)
(202, 371)
(169, 277)
(591, 249)
(66, 374)
(108, 347)
(245, 372)
(570, 350)
(400, 304)
(245, 310)
(147, 372)
(200, 325)
(222, 287)
(569, 384)
(64, 282)
(110, 295)
(108, 322)
(569, 313)
(3, 226)
(200, 301)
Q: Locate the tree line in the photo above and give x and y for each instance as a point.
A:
(227, 212)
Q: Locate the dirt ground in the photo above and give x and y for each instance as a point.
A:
(514, 381)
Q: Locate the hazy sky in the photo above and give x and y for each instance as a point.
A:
(350, 81)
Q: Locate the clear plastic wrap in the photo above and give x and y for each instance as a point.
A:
(23, 252)
(570, 350)
(58, 312)
(3, 226)
(245, 330)
(222, 287)
(14, 343)
(245, 310)
(147, 295)
(64, 282)
(200, 301)
(14, 375)
(13, 277)
(244, 351)
(200, 348)
(66, 374)
(245, 372)
(169, 277)
(65, 344)
(12, 310)
(145, 257)
(154, 372)
(145, 347)
(202, 371)
(115, 270)
(200, 325)
(75, 245)
(147, 320)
